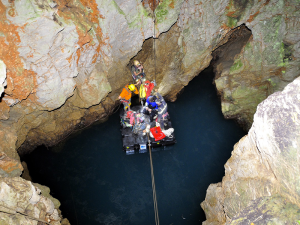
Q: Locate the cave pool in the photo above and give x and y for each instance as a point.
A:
(97, 183)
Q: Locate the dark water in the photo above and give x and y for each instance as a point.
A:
(98, 184)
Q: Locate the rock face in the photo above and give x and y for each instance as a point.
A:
(262, 176)
(64, 63)
(22, 203)
(68, 60)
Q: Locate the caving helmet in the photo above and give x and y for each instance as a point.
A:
(152, 98)
(131, 87)
(136, 62)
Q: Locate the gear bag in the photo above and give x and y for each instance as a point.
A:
(157, 133)
(149, 87)
(142, 91)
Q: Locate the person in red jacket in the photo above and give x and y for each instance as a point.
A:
(126, 94)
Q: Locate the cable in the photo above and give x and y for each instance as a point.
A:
(153, 184)
(154, 37)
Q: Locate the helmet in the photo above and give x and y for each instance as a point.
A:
(152, 98)
(143, 80)
(136, 62)
(131, 87)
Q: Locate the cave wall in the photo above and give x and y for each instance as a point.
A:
(261, 182)
(65, 57)
(63, 63)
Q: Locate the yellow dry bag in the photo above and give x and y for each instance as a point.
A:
(142, 91)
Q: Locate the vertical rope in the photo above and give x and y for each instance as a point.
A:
(154, 37)
(153, 185)
(150, 153)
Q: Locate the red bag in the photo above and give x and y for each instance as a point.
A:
(128, 115)
(157, 133)
(149, 86)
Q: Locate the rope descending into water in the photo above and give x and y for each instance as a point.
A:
(153, 185)
(149, 145)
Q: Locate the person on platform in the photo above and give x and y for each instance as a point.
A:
(137, 71)
(125, 96)
(151, 107)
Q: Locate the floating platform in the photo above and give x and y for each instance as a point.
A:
(135, 140)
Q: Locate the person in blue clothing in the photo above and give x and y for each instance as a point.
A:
(162, 110)
(151, 107)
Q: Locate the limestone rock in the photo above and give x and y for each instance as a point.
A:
(45, 191)
(9, 167)
(92, 90)
(266, 63)
(21, 203)
(277, 137)
(78, 51)
(262, 164)
(67, 61)
(269, 210)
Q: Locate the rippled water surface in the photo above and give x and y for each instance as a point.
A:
(98, 184)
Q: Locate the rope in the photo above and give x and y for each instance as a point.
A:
(151, 163)
(154, 37)
(153, 185)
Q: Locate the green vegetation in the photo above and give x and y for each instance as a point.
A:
(118, 8)
(236, 66)
(162, 10)
(232, 22)
(272, 82)
(271, 28)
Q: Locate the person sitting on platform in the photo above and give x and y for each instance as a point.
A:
(151, 107)
(126, 94)
(162, 110)
(137, 71)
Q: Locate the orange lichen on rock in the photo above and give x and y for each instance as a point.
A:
(251, 18)
(231, 14)
(4, 111)
(152, 3)
(8, 164)
(171, 5)
(84, 38)
(85, 15)
(20, 82)
(95, 14)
